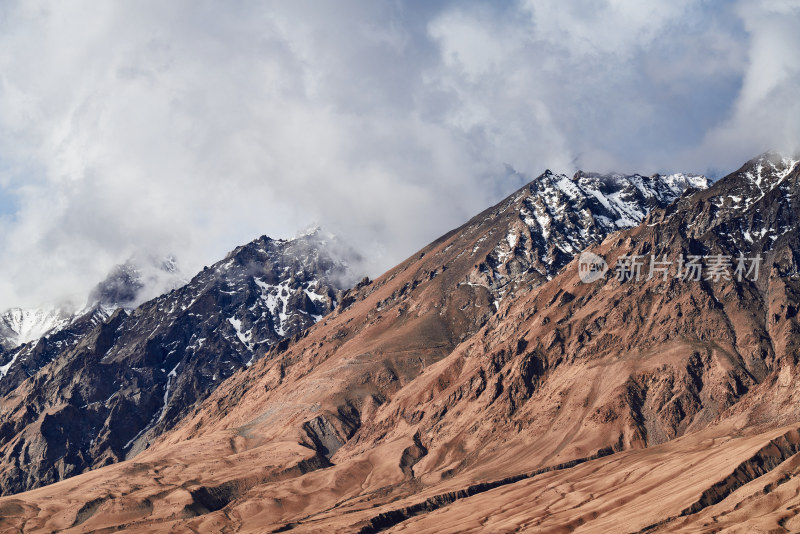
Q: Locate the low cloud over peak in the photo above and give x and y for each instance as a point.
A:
(133, 128)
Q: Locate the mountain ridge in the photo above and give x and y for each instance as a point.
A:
(132, 375)
(423, 394)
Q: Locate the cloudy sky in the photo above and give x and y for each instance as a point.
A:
(189, 127)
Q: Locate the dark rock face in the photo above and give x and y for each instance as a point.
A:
(135, 374)
(122, 286)
(129, 284)
(26, 360)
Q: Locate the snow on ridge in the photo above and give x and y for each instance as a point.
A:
(679, 182)
(626, 197)
(764, 174)
(777, 166)
(19, 326)
(559, 216)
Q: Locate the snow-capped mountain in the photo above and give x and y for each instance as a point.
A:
(559, 216)
(757, 178)
(417, 393)
(764, 177)
(126, 286)
(31, 338)
(18, 326)
(123, 382)
(25, 360)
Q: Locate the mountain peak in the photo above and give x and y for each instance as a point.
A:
(682, 181)
(311, 230)
(138, 279)
(769, 168)
(752, 182)
(19, 326)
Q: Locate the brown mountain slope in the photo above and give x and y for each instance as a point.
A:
(416, 406)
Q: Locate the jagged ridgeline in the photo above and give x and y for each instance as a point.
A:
(480, 384)
(101, 387)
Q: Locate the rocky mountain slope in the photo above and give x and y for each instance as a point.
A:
(149, 368)
(32, 338)
(25, 360)
(424, 382)
(134, 374)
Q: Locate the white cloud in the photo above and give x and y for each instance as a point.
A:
(765, 115)
(190, 128)
(600, 28)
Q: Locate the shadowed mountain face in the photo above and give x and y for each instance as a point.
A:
(127, 378)
(131, 283)
(478, 387)
(27, 359)
(34, 337)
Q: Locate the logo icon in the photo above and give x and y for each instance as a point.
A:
(591, 267)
